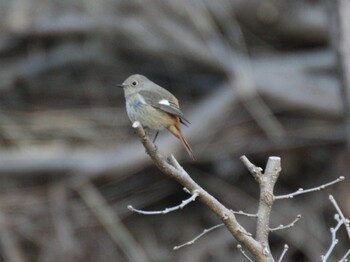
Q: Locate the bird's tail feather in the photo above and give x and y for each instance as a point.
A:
(187, 146)
(175, 131)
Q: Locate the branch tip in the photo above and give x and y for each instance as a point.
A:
(186, 190)
(304, 191)
(285, 249)
(168, 209)
(191, 242)
(287, 226)
(136, 124)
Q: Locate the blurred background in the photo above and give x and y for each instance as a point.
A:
(259, 78)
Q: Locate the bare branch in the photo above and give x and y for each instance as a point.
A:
(205, 231)
(334, 240)
(258, 247)
(172, 169)
(244, 253)
(285, 249)
(286, 226)
(343, 259)
(344, 220)
(340, 36)
(253, 169)
(339, 217)
(266, 199)
(304, 191)
(240, 212)
(167, 210)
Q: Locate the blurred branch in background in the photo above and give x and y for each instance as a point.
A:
(9, 244)
(340, 38)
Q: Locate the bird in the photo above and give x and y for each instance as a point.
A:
(154, 107)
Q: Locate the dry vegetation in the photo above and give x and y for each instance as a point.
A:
(258, 78)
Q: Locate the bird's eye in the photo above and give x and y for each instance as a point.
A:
(134, 83)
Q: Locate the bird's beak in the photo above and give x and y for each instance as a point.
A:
(121, 85)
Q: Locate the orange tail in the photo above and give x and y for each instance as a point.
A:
(176, 132)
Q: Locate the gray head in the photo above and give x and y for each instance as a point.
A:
(134, 84)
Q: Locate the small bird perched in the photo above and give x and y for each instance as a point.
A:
(154, 107)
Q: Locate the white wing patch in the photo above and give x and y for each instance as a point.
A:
(164, 102)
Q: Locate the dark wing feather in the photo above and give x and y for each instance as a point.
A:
(184, 121)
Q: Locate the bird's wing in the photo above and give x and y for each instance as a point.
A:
(164, 101)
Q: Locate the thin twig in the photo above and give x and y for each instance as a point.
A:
(334, 240)
(285, 249)
(244, 253)
(304, 191)
(253, 169)
(345, 220)
(205, 231)
(240, 212)
(167, 210)
(286, 226)
(343, 259)
(339, 217)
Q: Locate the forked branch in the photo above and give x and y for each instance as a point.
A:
(171, 168)
(259, 246)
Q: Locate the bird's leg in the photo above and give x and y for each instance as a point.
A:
(154, 140)
(155, 137)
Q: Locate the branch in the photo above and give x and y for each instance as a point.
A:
(240, 212)
(167, 210)
(286, 226)
(253, 169)
(344, 220)
(172, 169)
(243, 253)
(340, 34)
(266, 182)
(11, 250)
(285, 249)
(258, 247)
(304, 191)
(343, 259)
(334, 241)
(339, 217)
(205, 231)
